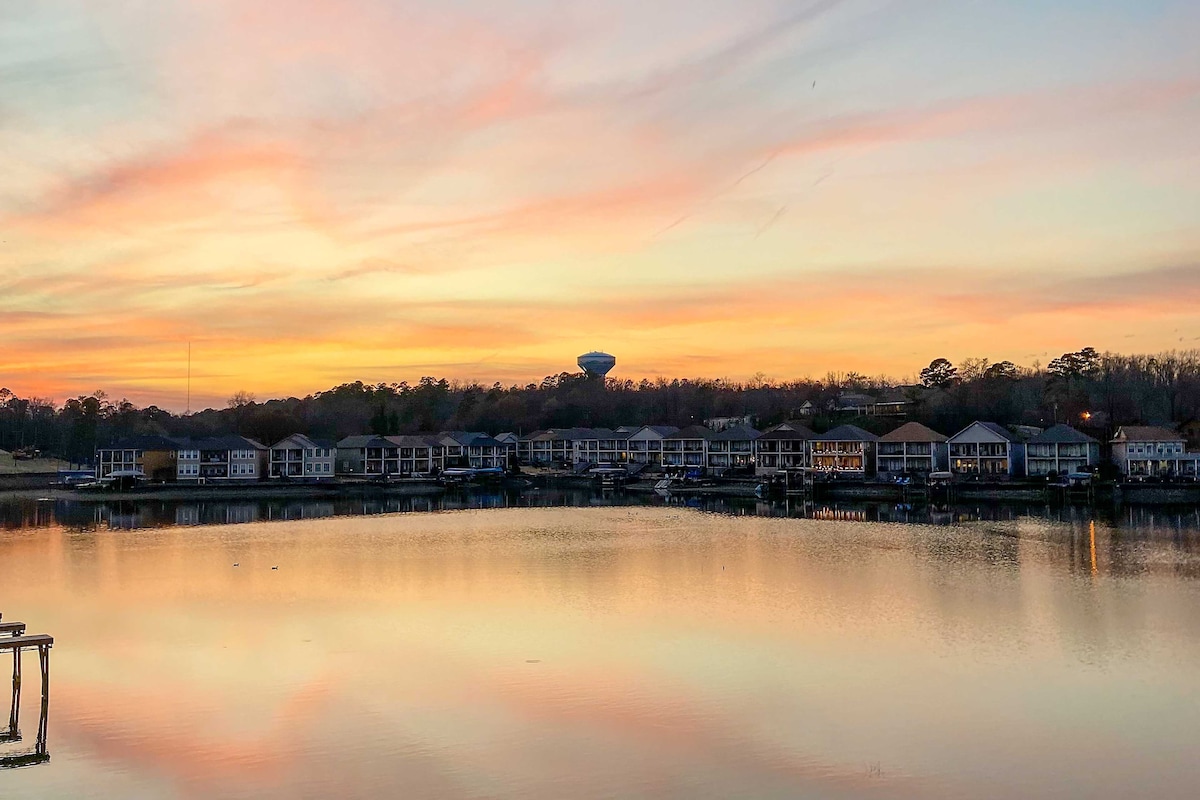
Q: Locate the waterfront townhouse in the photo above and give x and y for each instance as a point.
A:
(733, 448)
(784, 446)
(645, 445)
(912, 449)
(1061, 450)
(1141, 451)
(471, 449)
(986, 449)
(510, 443)
(150, 457)
(545, 447)
(300, 457)
(367, 456)
(845, 450)
(418, 455)
(687, 447)
(221, 458)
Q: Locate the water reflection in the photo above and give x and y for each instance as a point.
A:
(1180, 523)
(613, 651)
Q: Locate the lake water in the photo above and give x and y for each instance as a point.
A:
(607, 651)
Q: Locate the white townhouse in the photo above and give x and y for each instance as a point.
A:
(687, 447)
(646, 445)
(1062, 450)
(221, 458)
(1142, 451)
(988, 449)
(300, 457)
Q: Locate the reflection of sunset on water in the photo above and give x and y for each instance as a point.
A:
(607, 651)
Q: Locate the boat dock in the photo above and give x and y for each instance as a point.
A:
(13, 637)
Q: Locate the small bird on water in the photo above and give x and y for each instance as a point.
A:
(235, 564)
(274, 567)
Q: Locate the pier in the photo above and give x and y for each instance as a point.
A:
(13, 637)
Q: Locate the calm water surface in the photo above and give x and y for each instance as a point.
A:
(610, 652)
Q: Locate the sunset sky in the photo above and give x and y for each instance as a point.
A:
(336, 190)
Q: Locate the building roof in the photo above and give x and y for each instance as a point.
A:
(506, 437)
(846, 433)
(692, 432)
(737, 433)
(991, 427)
(227, 442)
(1063, 434)
(151, 443)
(414, 441)
(1146, 433)
(662, 431)
(359, 441)
(305, 441)
(913, 432)
(788, 431)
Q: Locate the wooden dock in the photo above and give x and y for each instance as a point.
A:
(14, 638)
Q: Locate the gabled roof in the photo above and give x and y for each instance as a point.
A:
(228, 442)
(1146, 433)
(529, 437)
(998, 430)
(737, 433)
(1064, 434)
(788, 431)
(662, 431)
(299, 438)
(913, 432)
(363, 440)
(507, 437)
(692, 432)
(151, 443)
(846, 433)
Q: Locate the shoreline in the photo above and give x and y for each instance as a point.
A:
(1102, 495)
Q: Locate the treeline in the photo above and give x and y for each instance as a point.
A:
(1096, 391)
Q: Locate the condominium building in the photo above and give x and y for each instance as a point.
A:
(912, 449)
(986, 449)
(845, 450)
(300, 457)
(1061, 450)
(1142, 451)
(784, 446)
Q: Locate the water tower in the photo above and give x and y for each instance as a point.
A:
(597, 364)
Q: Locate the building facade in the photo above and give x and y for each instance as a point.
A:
(1143, 451)
(1060, 450)
(912, 449)
(988, 450)
(299, 457)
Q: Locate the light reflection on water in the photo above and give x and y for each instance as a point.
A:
(612, 652)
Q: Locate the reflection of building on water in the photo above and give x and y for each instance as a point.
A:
(11, 734)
